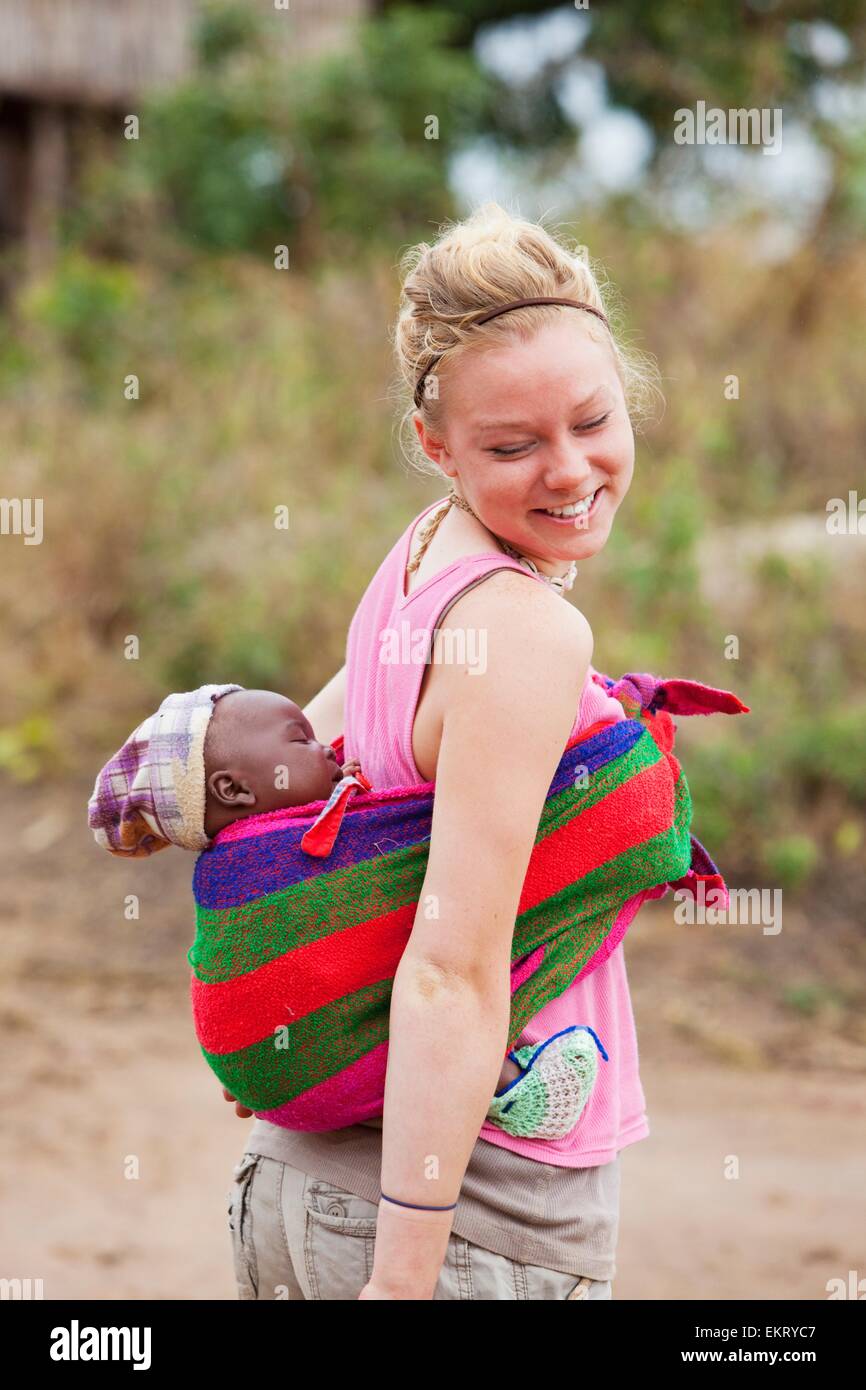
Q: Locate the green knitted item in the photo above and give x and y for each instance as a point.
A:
(547, 1101)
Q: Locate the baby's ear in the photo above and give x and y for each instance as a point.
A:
(228, 792)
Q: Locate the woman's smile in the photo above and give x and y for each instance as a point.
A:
(578, 518)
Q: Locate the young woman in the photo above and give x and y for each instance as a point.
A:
(526, 410)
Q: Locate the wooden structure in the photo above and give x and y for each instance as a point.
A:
(67, 63)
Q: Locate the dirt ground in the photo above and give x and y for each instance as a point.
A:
(753, 1053)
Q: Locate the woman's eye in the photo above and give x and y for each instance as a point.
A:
(509, 453)
(519, 448)
(594, 424)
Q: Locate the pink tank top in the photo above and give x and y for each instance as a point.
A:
(381, 698)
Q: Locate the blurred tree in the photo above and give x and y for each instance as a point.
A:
(803, 57)
(661, 57)
(669, 54)
(323, 154)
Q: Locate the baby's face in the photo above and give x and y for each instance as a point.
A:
(260, 755)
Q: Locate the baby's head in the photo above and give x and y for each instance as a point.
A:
(260, 754)
(206, 758)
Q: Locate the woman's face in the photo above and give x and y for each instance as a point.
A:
(538, 424)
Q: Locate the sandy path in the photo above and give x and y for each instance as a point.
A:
(793, 1218)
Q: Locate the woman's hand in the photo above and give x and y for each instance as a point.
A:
(411, 1245)
(240, 1110)
(372, 1290)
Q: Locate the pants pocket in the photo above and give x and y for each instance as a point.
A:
(587, 1288)
(471, 1272)
(339, 1240)
(456, 1282)
(240, 1227)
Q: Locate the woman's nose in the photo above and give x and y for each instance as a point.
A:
(567, 476)
(566, 466)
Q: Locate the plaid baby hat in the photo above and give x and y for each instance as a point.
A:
(151, 794)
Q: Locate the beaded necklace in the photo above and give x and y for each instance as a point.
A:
(560, 583)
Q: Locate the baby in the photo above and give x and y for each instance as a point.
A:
(218, 754)
(261, 754)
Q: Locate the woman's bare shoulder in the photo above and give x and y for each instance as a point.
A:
(510, 694)
(507, 595)
(534, 643)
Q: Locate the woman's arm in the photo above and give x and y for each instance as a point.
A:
(326, 710)
(503, 735)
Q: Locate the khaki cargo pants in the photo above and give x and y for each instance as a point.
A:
(298, 1237)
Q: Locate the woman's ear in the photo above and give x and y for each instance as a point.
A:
(435, 449)
(227, 791)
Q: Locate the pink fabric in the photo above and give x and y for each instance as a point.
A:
(357, 1089)
(381, 698)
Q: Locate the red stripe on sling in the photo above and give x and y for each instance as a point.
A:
(601, 832)
(233, 1014)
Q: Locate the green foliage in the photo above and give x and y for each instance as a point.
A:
(730, 782)
(790, 859)
(657, 58)
(738, 55)
(219, 166)
(848, 838)
(85, 304)
(829, 748)
(27, 749)
(812, 997)
(655, 553)
(225, 28)
(256, 151)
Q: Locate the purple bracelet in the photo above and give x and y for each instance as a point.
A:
(417, 1206)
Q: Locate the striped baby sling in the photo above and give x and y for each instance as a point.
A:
(302, 914)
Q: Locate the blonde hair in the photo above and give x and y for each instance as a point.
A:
(489, 258)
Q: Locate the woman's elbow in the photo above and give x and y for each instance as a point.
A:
(435, 980)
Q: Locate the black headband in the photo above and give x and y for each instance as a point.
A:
(506, 308)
